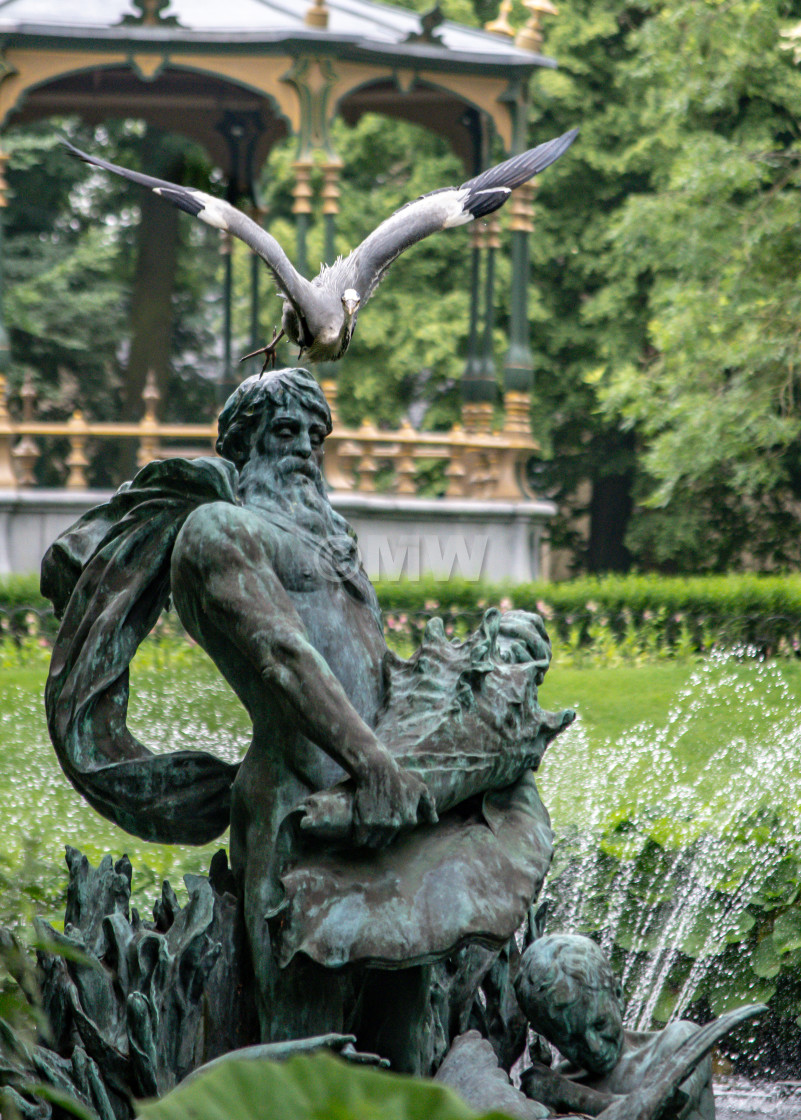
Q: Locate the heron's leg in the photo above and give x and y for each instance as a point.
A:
(268, 351)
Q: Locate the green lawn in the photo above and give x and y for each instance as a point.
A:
(177, 703)
(701, 739)
(696, 738)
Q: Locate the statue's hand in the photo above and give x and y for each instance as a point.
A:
(343, 1044)
(387, 800)
(522, 637)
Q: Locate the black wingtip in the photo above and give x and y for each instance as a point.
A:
(179, 196)
(519, 169)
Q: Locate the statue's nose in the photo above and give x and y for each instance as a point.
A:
(594, 1042)
(302, 445)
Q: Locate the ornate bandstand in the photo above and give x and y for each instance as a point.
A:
(237, 76)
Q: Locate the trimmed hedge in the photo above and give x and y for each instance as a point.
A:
(673, 614)
(715, 596)
(718, 596)
(694, 613)
(21, 591)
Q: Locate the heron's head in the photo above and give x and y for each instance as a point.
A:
(350, 301)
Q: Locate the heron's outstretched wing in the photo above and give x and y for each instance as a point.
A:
(449, 206)
(220, 214)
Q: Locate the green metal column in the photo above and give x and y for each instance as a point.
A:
(226, 248)
(519, 364)
(241, 130)
(313, 80)
(332, 169)
(472, 369)
(479, 388)
(302, 210)
(255, 275)
(487, 350)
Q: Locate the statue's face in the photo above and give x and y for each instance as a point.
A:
(292, 440)
(589, 1032)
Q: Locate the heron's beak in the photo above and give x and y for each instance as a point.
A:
(351, 306)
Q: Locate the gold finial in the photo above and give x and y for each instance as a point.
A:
(330, 195)
(3, 182)
(529, 38)
(76, 460)
(150, 398)
(317, 14)
(501, 25)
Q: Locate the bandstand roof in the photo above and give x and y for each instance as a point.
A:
(181, 64)
(362, 25)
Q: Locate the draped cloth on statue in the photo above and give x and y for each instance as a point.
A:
(471, 877)
(108, 577)
(463, 715)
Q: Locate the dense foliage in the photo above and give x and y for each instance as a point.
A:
(607, 618)
(621, 616)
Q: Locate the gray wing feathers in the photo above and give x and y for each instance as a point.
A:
(220, 214)
(450, 206)
(519, 169)
(368, 262)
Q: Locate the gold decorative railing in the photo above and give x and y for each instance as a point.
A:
(477, 461)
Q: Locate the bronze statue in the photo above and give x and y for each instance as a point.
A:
(572, 998)
(386, 811)
(386, 834)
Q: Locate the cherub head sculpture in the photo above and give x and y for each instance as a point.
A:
(570, 996)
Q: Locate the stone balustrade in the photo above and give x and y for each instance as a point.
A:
(477, 462)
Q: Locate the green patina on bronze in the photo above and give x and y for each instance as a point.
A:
(385, 813)
(387, 837)
(570, 995)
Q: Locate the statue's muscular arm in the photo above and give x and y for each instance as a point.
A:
(223, 574)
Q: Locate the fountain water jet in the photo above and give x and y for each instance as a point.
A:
(663, 850)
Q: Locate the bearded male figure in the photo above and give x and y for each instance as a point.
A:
(349, 884)
(255, 586)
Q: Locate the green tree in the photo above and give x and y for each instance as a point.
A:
(71, 245)
(666, 257)
(716, 241)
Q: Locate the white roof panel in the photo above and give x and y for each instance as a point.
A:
(359, 22)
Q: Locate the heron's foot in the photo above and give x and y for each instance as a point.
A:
(268, 351)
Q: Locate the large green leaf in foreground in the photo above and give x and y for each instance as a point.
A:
(319, 1087)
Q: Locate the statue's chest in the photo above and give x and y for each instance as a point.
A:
(298, 567)
(340, 628)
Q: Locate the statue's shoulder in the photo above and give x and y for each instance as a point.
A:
(143, 517)
(645, 1051)
(221, 526)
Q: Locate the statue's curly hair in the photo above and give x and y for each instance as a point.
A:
(556, 969)
(245, 409)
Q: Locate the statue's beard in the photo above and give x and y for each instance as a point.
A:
(293, 486)
(291, 492)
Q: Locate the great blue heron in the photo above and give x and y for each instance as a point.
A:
(319, 315)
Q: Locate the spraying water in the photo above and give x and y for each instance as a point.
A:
(666, 836)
